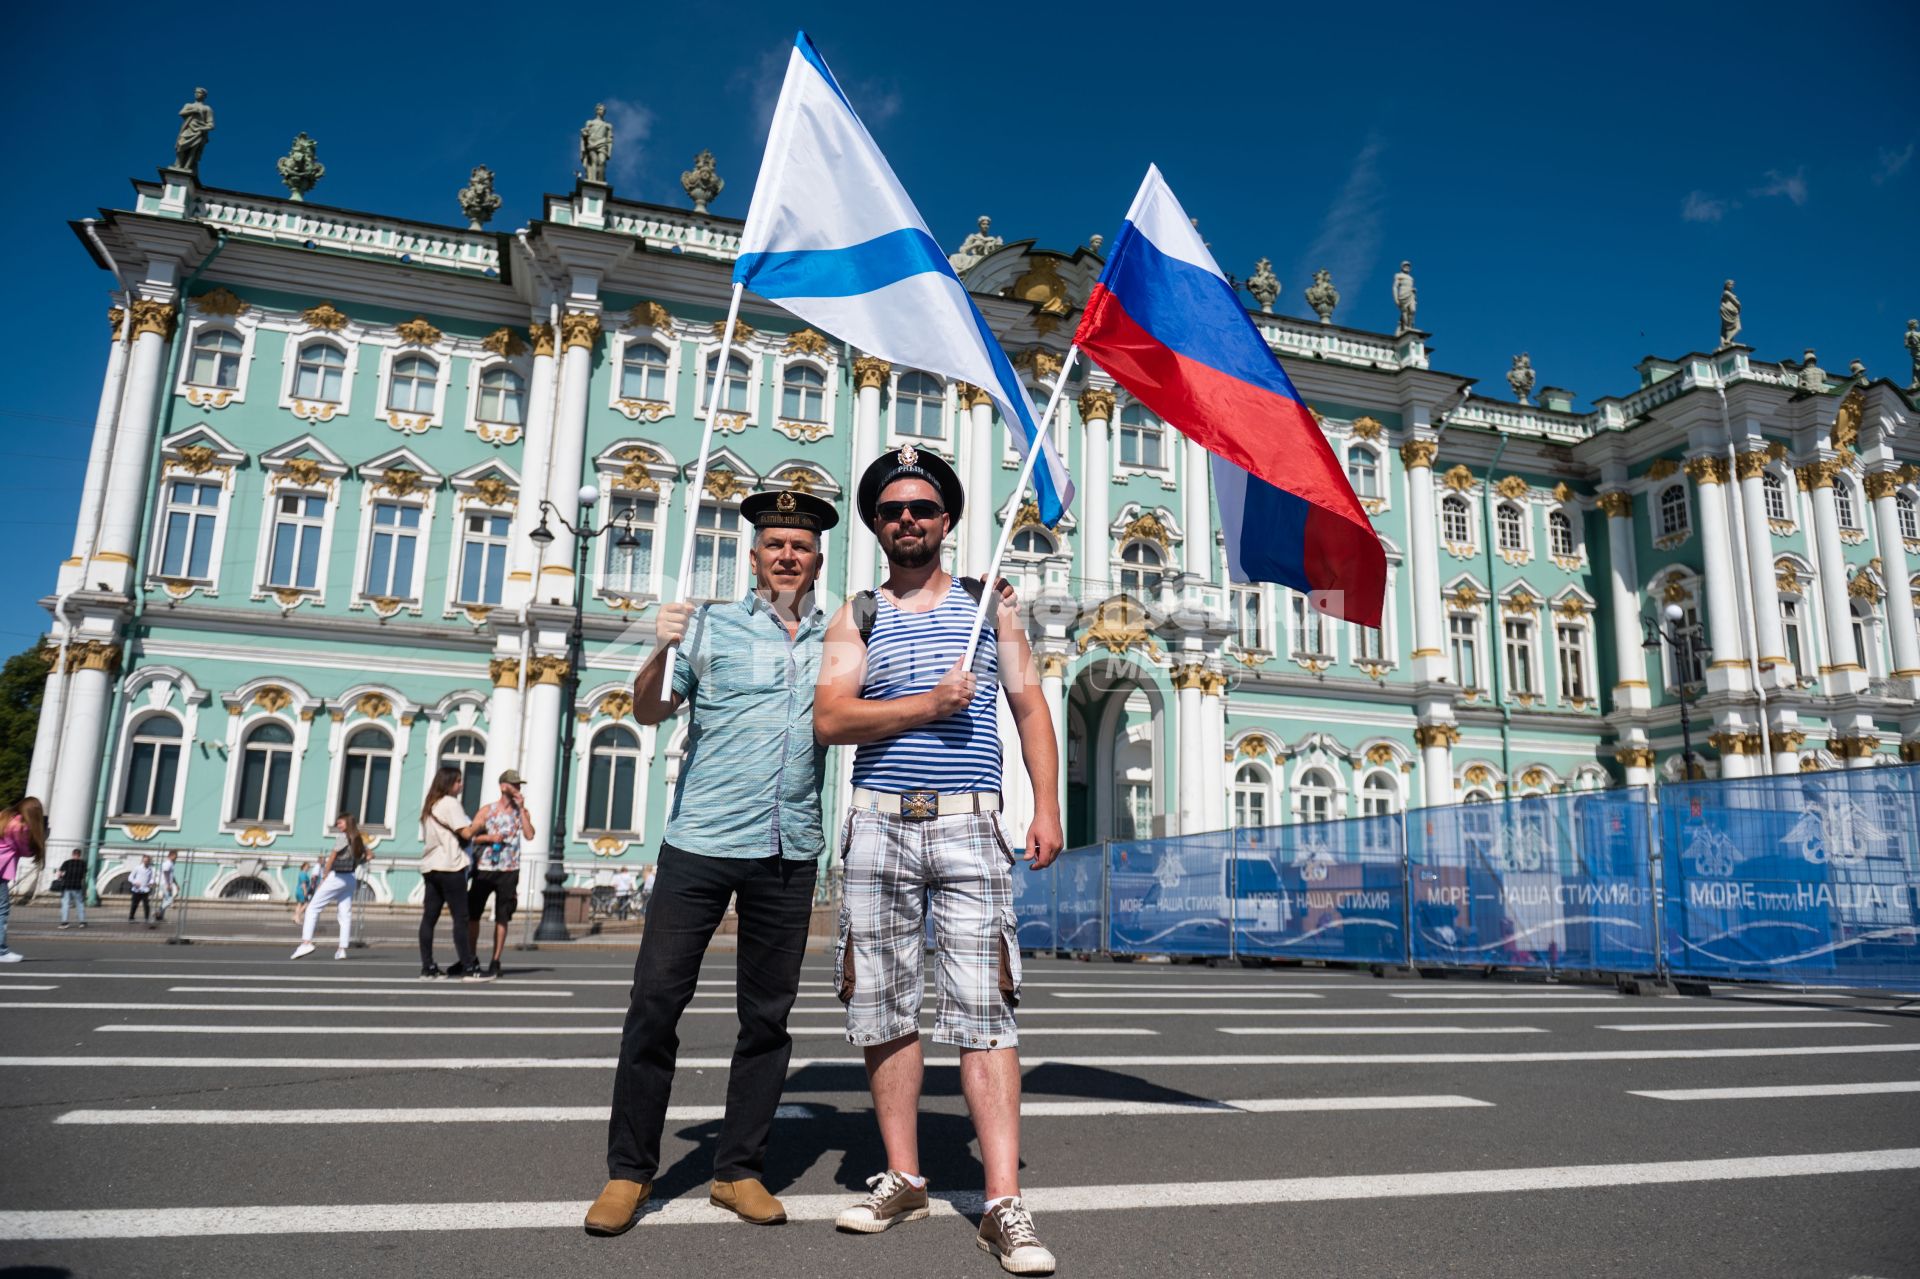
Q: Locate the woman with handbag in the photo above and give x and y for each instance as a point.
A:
(443, 873)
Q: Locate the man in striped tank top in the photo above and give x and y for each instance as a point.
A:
(925, 833)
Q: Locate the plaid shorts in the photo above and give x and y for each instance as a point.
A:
(895, 870)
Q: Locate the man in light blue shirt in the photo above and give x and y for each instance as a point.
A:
(746, 828)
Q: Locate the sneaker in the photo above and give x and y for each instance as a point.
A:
(10, 957)
(1006, 1231)
(431, 973)
(83, 923)
(341, 953)
(304, 948)
(894, 1199)
(64, 926)
(474, 972)
(493, 971)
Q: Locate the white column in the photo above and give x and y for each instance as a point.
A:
(1894, 574)
(1728, 670)
(93, 489)
(1213, 741)
(541, 767)
(1762, 588)
(1844, 674)
(1016, 788)
(1188, 678)
(1096, 411)
(1429, 637)
(46, 737)
(503, 723)
(1787, 740)
(90, 667)
(1436, 761)
(977, 455)
(579, 331)
(127, 478)
(1637, 759)
(870, 373)
(536, 464)
(1053, 686)
(1197, 511)
(1630, 691)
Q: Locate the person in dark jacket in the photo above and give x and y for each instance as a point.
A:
(72, 885)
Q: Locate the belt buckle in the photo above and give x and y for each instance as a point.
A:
(920, 805)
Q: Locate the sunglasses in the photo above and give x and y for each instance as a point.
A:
(919, 508)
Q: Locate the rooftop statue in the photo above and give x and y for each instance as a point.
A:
(596, 146)
(1264, 285)
(1913, 352)
(975, 247)
(1520, 377)
(702, 183)
(196, 122)
(300, 168)
(478, 199)
(1404, 296)
(1322, 296)
(1729, 317)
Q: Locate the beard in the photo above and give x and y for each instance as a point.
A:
(916, 556)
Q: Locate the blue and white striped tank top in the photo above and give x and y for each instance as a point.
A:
(908, 653)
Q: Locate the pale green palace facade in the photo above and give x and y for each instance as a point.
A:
(302, 576)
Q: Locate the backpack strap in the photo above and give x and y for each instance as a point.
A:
(866, 605)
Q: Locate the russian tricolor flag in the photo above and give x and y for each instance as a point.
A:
(1166, 324)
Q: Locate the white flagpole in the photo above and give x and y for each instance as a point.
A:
(698, 482)
(989, 594)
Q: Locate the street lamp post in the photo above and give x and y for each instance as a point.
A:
(553, 909)
(1688, 654)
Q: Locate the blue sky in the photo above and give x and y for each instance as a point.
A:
(1573, 186)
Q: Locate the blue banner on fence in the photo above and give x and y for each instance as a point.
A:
(1323, 890)
(1812, 877)
(1171, 896)
(1077, 907)
(1549, 881)
(1033, 904)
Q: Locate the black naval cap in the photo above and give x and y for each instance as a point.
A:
(789, 509)
(909, 463)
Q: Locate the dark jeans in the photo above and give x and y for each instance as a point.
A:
(139, 905)
(690, 894)
(445, 888)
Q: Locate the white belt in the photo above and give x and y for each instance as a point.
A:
(924, 805)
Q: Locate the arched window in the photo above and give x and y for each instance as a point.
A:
(919, 403)
(503, 397)
(1313, 796)
(1142, 438)
(1846, 511)
(1455, 527)
(246, 888)
(613, 781)
(216, 359)
(320, 372)
(468, 753)
(803, 394)
(153, 766)
(1673, 510)
(643, 373)
(266, 767)
(1775, 491)
(1249, 796)
(1510, 528)
(365, 774)
(1140, 570)
(1560, 534)
(1036, 542)
(733, 391)
(1909, 520)
(1363, 470)
(411, 387)
(1379, 797)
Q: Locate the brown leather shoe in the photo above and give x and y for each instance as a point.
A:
(618, 1207)
(748, 1200)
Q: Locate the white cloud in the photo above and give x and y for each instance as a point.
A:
(1892, 163)
(1349, 238)
(1701, 207)
(632, 126)
(1793, 186)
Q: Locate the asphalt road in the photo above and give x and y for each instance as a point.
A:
(220, 1111)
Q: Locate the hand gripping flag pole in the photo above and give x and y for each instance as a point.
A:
(697, 485)
(989, 595)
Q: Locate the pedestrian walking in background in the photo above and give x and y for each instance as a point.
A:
(646, 889)
(339, 877)
(168, 885)
(443, 873)
(140, 890)
(72, 885)
(23, 833)
(302, 891)
(622, 893)
(503, 825)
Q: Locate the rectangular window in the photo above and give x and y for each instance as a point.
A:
(1796, 647)
(1140, 446)
(1136, 810)
(1248, 621)
(396, 539)
(483, 558)
(293, 562)
(187, 528)
(1309, 628)
(1463, 635)
(1369, 644)
(1519, 643)
(629, 569)
(1573, 661)
(716, 554)
(263, 786)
